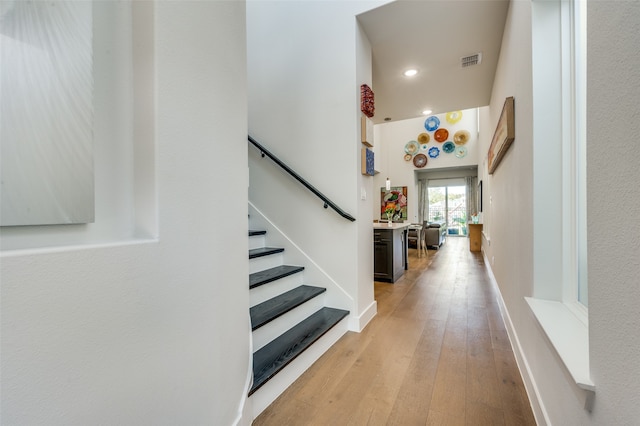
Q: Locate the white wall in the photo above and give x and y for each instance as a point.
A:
(614, 267)
(124, 171)
(614, 317)
(392, 138)
(367, 306)
(304, 98)
(132, 333)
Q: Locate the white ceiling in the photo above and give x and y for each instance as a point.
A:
(432, 36)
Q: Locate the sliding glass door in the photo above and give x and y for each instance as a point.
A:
(449, 204)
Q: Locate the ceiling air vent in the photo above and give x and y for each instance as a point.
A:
(471, 60)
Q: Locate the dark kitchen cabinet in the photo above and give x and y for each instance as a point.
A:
(389, 253)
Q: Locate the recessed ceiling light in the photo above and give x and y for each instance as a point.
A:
(426, 112)
(410, 72)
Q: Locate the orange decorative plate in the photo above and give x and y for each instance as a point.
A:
(441, 135)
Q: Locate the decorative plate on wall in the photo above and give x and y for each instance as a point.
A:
(454, 116)
(461, 137)
(461, 151)
(420, 161)
(434, 152)
(432, 123)
(411, 147)
(424, 147)
(449, 147)
(408, 157)
(441, 135)
(424, 138)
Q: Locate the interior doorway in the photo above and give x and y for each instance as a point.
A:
(449, 204)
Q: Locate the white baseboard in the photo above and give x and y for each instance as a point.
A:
(245, 410)
(539, 412)
(358, 323)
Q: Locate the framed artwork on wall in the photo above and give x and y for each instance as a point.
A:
(47, 113)
(366, 131)
(504, 135)
(367, 162)
(393, 203)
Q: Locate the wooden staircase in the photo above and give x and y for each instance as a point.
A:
(287, 317)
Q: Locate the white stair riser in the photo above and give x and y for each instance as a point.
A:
(281, 381)
(265, 262)
(278, 326)
(274, 288)
(256, 241)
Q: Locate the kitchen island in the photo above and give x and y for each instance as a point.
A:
(389, 251)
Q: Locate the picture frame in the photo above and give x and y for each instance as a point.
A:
(504, 135)
(367, 162)
(394, 200)
(366, 131)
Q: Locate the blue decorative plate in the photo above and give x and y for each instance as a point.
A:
(432, 123)
(461, 151)
(424, 147)
(434, 152)
(448, 147)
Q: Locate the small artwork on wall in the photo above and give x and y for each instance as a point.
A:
(367, 166)
(367, 103)
(504, 135)
(366, 131)
(393, 203)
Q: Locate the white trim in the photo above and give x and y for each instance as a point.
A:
(539, 411)
(76, 248)
(245, 408)
(569, 272)
(312, 269)
(568, 335)
(573, 98)
(359, 322)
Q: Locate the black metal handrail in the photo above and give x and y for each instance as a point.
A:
(296, 176)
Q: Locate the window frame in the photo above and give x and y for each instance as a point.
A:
(560, 28)
(575, 279)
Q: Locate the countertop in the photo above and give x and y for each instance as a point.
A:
(396, 225)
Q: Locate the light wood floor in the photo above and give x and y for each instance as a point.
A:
(437, 353)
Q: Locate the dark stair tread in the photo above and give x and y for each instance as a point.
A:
(264, 251)
(270, 359)
(271, 309)
(253, 232)
(269, 275)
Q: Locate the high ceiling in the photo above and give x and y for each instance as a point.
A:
(432, 36)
